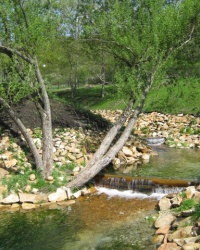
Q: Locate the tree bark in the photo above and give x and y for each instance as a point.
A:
(100, 162)
(27, 137)
(47, 140)
(108, 139)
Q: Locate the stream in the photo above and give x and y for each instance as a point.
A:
(111, 219)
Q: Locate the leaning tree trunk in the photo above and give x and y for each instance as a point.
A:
(27, 137)
(113, 131)
(47, 141)
(91, 170)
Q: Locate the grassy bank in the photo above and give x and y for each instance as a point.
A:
(180, 97)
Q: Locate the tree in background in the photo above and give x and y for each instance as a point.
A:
(26, 29)
(142, 36)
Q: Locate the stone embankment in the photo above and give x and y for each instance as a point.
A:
(176, 228)
(181, 131)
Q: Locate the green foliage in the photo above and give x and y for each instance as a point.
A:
(27, 28)
(186, 205)
(142, 36)
(17, 181)
(196, 214)
(37, 133)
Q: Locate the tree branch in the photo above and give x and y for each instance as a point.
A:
(10, 52)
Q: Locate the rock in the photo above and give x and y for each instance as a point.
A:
(127, 151)
(15, 207)
(34, 190)
(39, 198)
(32, 177)
(176, 201)
(10, 163)
(28, 188)
(60, 195)
(77, 194)
(85, 191)
(158, 238)
(23, 197)
(192, 239)
(188, 212)
(116, 163)
(190, 191)
(169, 246)
(5, 207)
(164, 204)
(28, 206)
(181, 233)
(69, 193)
(163, 230)
(3, 172)
(164, 219)
(12, 198)
(191, 246)
(50, 178)
(80, 160)
(66, 203)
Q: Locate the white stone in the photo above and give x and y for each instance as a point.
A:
(12, 198)
(77, 194)
(32, 177)
(127, 151)
(60, 195)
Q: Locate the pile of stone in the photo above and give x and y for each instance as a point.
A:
(176, 229)
(34, 199)
(181, 131)
(133, 153)
(69, 146)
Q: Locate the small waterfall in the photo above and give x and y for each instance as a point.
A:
(142, 185)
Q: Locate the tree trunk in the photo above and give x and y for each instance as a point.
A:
(27, 137)
(47, 140)
(111, 135)
(92, 169)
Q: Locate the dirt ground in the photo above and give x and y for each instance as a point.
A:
(63, 116)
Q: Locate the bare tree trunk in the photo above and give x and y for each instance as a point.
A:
(47, 148)
(103, 74)
(22, 128)
(92, 169)
(105, 144)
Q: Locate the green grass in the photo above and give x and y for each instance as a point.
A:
(179, 97)
(90, 98)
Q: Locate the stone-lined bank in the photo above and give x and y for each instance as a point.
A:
(177, 229)
(182, 131)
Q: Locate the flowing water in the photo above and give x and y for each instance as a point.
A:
(108, 220)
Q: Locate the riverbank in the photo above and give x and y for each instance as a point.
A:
(177, 223)
(74, 147)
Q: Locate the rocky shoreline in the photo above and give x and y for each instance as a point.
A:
(178, 221)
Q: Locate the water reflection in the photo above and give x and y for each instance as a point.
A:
(94, 223)
(170, 163)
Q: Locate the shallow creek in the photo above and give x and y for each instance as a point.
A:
(108, 220)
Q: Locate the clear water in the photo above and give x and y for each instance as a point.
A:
(98, 222)
(171, 163)
(112, 221)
